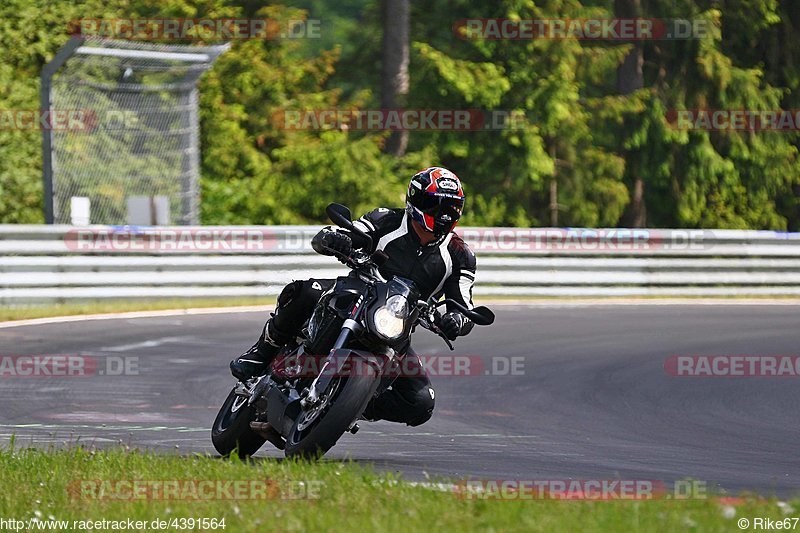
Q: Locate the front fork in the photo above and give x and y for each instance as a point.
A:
(333, 365)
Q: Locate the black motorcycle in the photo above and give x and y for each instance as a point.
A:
(362, 325)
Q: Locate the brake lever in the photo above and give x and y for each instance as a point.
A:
(446, 341)
(435, 315)
(346, 260)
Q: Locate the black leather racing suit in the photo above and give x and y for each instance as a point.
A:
(445, 266)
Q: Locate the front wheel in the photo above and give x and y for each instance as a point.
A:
(316, 430)
(231, 431)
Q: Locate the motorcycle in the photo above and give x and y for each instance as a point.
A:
(363, 324)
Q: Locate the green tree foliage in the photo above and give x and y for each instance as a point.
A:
(578, 134)
(30, 34)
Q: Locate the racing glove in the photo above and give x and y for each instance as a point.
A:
(329, 240)
(452, 324)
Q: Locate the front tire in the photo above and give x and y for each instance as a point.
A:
(231, 431)
(348, 397)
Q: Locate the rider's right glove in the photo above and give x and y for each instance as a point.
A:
(331, 240)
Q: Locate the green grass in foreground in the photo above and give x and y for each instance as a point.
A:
(43, 484)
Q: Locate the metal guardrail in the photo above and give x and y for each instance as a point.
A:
(59, 263)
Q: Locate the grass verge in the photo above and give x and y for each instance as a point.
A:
(24, 312)
(325, 496)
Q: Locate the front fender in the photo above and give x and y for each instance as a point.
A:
(337, 364)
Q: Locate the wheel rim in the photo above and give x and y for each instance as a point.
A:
(308, 419)
(231, 413)
(238, 403)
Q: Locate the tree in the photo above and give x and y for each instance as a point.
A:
(394, 67)
(596, 124)
(630, 79)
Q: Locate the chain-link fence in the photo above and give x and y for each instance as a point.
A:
(128, 150)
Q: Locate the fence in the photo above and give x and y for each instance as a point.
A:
(62, 263)
(136, 157)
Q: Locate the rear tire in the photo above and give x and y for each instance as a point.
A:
(231, 431)
(350, 396)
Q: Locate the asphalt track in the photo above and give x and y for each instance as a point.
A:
(593, 402)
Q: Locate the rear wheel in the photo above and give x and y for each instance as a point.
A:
(316, 430)
(231, 431)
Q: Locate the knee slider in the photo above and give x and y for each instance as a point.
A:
(289, 293)
(423, 407)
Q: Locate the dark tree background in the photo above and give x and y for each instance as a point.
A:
(595, 147)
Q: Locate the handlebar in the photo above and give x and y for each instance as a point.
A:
(482, 316)
(360, 260)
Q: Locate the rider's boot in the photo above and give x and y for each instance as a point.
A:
(257, 359)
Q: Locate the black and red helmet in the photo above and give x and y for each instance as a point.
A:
(435, 199)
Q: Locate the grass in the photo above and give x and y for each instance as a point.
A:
(347, 497)
(23, 312)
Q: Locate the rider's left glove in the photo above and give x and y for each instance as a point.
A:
(451, 324)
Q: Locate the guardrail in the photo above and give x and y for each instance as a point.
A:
(59, 263)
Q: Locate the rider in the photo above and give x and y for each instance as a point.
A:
(422, 247)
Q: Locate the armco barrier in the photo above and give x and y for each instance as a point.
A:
(58, 263)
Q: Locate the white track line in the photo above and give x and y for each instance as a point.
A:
(519, 303)
(136, 314)
(152, 343)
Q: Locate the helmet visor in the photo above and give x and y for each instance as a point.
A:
(433, 204)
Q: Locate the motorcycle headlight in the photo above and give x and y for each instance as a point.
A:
(390, 318)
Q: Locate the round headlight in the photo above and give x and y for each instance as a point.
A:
(398, 305)
(387, 323)
(390, 318)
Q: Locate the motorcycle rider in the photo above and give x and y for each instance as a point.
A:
(422, 247)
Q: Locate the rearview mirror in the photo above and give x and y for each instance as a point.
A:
(482, 316)
(340, 215)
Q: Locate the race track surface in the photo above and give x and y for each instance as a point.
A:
(593, 401)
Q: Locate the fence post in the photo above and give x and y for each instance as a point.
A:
(45, 106)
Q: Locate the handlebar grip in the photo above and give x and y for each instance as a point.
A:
(379, 257)
(338, 255)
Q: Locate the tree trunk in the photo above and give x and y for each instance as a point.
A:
(629, 79)
(553, 203)
(394, 67)
(554, 188)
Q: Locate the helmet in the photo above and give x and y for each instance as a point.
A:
(435, 200)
